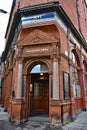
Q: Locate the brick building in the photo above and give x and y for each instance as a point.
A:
(44, 64)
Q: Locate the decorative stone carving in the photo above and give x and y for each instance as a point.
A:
(37, 37)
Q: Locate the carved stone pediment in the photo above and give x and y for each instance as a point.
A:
(37, 37)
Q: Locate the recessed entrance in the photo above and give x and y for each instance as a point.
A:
(39, 89)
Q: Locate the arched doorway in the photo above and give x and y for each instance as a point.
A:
(39, 89)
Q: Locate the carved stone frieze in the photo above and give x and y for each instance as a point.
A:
(37, 37)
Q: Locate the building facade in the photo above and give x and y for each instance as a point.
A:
(44, 64)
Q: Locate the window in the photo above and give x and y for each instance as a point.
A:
(85, 74)
(73, 58)
(38, 90)
(85, 2)
(39, 68)
(75, 77)
(66, 84)
(75, 82)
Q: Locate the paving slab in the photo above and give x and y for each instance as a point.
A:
(18, 128)
(84, 128)
(38, 123)
(25, 129)
(79, 124)
(76, 125)
(81, 120)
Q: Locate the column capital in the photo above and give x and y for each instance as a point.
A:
(24, 76)
(55, 57)
(51, 76)
(19, 59)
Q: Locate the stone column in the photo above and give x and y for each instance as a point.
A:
(55, 79)
(19, 84)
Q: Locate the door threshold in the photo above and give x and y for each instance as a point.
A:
(39, 118)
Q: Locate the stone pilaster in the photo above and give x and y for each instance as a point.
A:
(55, 79)
(20, 77)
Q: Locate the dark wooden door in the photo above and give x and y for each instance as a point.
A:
(40, 96)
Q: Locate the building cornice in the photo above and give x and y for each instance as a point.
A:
(39, 9)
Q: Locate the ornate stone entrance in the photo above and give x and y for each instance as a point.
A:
(36, 90)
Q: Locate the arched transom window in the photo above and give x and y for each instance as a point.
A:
(38, 68)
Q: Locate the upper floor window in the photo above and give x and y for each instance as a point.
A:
(73, 58)
(85, 2)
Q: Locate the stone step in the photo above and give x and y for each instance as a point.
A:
(38, 119)
(4, 117)
(2, 109)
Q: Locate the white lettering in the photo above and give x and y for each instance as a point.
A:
(36, 50)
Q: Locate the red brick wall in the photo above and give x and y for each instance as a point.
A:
(70, 8)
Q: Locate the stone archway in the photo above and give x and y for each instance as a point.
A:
(31, 63)
(38, 88)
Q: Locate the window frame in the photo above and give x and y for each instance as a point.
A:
(66, 88)
(85, 1)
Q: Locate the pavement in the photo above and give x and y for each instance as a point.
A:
(42, 123)
(79, 124)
